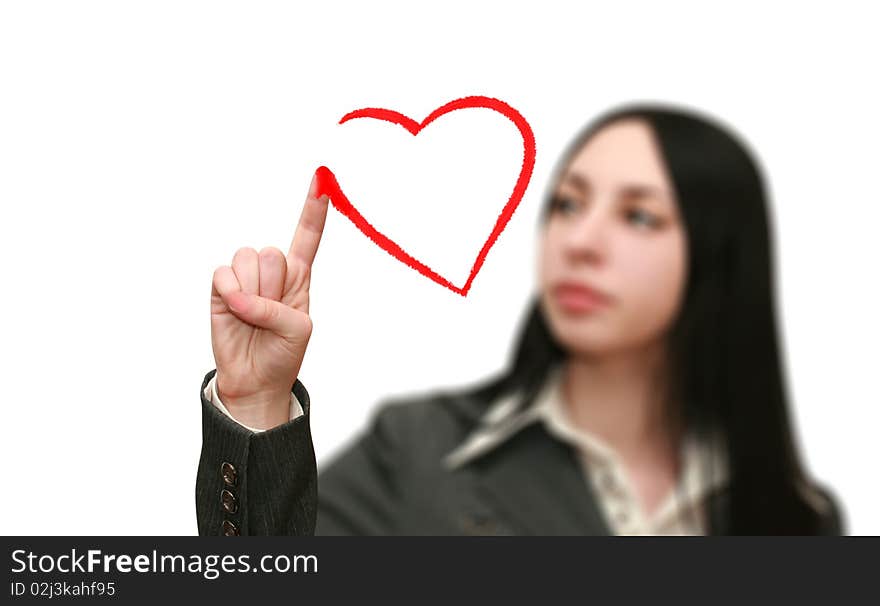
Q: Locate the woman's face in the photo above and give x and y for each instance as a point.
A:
(614, 226)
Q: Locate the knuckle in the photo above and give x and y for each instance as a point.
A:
(272, 259)
(270, 252)
(243, 253)
(270, 311)
(219, 277)
(299, 266)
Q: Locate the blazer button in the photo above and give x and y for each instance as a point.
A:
(227, 470)
(230, 529)
(228, 500)
(479, 524)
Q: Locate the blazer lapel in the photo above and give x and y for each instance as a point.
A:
(536, 485)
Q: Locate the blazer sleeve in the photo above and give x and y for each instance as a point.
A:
(251, 483)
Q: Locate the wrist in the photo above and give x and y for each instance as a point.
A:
(260, 411)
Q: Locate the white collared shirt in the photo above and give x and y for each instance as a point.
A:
(682, 512)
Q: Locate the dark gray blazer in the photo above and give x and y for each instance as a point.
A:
(390, 480)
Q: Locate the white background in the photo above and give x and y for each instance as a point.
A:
(142, 143)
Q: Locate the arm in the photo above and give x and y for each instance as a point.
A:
(270, 477)
(261, 482)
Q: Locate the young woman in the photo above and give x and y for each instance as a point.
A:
(646, 394)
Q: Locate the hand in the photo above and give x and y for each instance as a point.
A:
(260, 324)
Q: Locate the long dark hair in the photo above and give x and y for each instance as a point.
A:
(726, 370)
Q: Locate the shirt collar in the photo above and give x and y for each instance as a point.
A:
(502, 421)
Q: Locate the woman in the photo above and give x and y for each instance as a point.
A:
(646, 394)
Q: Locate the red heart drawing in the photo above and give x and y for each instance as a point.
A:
(327, 183)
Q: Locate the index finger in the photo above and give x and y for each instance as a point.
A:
(308, 232)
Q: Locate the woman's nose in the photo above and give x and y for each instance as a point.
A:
(588, 237)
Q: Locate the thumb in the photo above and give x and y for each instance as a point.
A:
(265, 313)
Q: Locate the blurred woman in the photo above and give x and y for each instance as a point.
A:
(646, 393)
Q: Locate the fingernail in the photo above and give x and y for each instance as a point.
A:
(313, 186)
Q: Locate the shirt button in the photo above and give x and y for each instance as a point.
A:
(608, 482)
(230, 529)
(230, 505)
(227, 470)
(621, 516)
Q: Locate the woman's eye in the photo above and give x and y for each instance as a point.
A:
(642, 217)
(563, 204)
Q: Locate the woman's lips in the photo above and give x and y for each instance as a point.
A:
(579, 298)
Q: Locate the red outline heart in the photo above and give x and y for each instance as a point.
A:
(327, 184)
